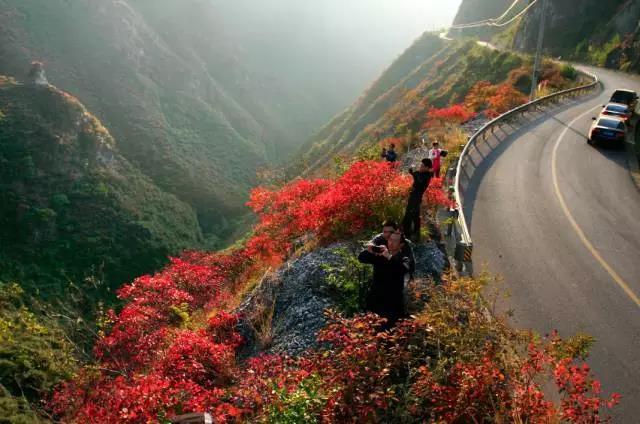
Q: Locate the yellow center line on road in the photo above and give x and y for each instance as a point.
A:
(616, 277)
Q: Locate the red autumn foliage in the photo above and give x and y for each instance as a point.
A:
(456, 114)
(163, 356)
(365, 195)
(494, 100)
(361, 375)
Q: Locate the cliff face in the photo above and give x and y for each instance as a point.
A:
(570, 23)
(600, 33)
(592, 31)
(477, 10)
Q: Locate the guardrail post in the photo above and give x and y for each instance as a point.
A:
(463, 255)
(453, 215)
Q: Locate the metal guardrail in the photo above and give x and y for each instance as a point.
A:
(464, 244)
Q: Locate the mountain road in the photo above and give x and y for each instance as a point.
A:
(560, 221)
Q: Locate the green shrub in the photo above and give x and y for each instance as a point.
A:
(302, 406)
(34, 356)
(569, 72)
(347, 281)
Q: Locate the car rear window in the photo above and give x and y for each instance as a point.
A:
(611, 123)
(622, 96)
(617, 108)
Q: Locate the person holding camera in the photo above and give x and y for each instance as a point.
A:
(390, 154)
(421, 180)
(390, 265)
(388, 228)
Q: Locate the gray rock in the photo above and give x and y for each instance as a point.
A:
(298, 295)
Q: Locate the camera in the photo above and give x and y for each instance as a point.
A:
(376, 249)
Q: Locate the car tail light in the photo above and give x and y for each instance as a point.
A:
(620, 134)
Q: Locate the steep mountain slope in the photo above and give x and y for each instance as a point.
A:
(602, 33)
(71, 206)
(479, 10)
(597, 32)
(171, 116)
(431, 73)
(201, 93)
(570, 24)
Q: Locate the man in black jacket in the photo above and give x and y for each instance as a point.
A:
(388, 228)
(421, 180)
(385, 297)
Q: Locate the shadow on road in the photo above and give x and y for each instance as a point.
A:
(482, 156)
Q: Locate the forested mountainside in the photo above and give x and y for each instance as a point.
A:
(71, 206)
(430, 74)
(160, 99)
(603, 33)
(195, 96)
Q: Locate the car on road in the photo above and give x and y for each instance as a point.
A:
(627, 97)
(618, 110)
(607, 129)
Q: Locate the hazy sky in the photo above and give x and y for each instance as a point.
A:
(348, 41)
(399, 20)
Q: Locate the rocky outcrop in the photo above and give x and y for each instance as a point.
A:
(286, 311)
(37, 75)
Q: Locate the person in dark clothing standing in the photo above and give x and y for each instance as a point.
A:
(382, 239)
(421, 180)
(390, 154)
(385, 297)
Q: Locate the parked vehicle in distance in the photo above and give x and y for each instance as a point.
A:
(627, 97)
(607, 129)
(618, 110)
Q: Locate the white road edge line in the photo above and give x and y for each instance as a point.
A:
(616, 277)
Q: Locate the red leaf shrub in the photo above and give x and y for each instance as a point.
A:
(166, 353)
(494, 100)
(456, 114)
(366, 194)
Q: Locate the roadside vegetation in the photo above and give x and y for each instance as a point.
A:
(461, 78)
(170, 344)
(173, 348)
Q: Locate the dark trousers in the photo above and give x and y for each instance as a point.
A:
(411, 221)
(387, 304)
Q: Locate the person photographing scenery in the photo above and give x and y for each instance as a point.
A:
(389, 228)
(421, 180)
(390, 264)
(436, 154)
(390, 154)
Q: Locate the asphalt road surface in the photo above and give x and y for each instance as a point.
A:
(560, 221)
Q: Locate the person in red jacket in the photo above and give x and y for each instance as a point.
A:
(435, 154)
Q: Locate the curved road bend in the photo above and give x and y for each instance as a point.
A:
(567, 242)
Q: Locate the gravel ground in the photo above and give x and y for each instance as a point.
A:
(299, 295)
